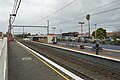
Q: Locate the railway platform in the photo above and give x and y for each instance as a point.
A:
(24, 66)
(109, 53)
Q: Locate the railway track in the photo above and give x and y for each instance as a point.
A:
(85, 69)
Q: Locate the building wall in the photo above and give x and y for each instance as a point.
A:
(49, 39)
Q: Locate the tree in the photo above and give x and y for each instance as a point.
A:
(93, 34)
(29, 34)
(100, 33)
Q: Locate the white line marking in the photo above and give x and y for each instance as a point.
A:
(54, 64)
(26, 58)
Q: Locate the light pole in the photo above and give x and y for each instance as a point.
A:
(88, 18)
(81, 26)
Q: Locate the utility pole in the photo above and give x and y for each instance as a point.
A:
(95, 31)
(48, 27)
(88, 18)
(23, 32)
(81, 26)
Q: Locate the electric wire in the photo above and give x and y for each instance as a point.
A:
(14, 6)
(56, 11)
(74, 18)
(77, 16)
(91, 15)
(16, 11)
(98, 8)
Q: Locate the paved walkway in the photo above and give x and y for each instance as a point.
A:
(24, 66)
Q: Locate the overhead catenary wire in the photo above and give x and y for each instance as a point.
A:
(103, 5)
(90, 11)
(77, 16)
(109, 21)
(91, 15)
(98, 8)
(106, 11)
(105, 26)
(56, 11)
(99, 24)
(14, 6)
(16, 11)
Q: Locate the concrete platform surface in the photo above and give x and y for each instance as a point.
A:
(24, 66)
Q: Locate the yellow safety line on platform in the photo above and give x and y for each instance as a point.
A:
(48, 65)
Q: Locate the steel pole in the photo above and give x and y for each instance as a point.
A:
(81, 29)
(48, 27)
(89, 27)
(95, 32)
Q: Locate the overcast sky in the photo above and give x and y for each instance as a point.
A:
(32, 11)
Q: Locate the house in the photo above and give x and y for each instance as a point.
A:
(44, 38)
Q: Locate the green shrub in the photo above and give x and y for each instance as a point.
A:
(115, 43)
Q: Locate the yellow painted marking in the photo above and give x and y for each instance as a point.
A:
(51, 67)
(48, 65)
